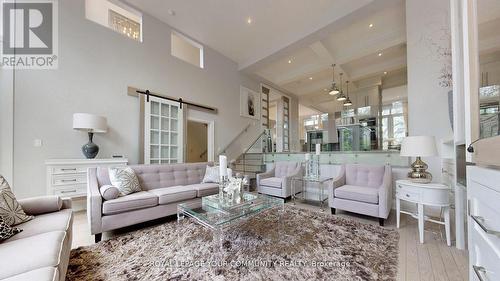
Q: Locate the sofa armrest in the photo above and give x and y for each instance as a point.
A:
(41, 205)
(265, 175)
(287, 181)
(94, 202)
(385, 193)
(336, 183)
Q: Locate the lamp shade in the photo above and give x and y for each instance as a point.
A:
(89, 122)
(419, 146)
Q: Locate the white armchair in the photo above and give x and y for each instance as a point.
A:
(362, 189)
(278, 181)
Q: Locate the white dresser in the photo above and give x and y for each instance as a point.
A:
(68, 177)
(483, 198)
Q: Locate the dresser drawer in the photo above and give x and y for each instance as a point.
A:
(74, 190)
(484, 214)
(484, 260)
(405, 193)
(68, 170)
(68, 179)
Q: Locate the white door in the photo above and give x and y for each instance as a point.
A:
(163, 136)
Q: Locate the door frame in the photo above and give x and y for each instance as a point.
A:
(210, 136)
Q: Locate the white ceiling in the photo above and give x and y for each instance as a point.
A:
(288, 42)
(222, 24)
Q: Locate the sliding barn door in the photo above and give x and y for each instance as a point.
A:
(163, 136)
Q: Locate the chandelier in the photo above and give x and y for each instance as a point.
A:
(341, 96)
(347, 102)
(333, 89)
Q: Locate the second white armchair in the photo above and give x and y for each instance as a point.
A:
(278, 181)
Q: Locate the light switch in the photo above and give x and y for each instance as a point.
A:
(37, 142)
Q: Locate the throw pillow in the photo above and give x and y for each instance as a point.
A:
(10, 210)
(124, 179)
(109, 192)
(7, 231)
(211, 175)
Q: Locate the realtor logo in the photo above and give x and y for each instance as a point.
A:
(29, 31)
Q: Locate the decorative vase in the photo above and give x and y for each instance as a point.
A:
(90, 149)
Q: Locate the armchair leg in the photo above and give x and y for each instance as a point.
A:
(333, 211)
(381, 221)
(98, 237)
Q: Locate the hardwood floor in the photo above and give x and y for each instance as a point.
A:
(433, 260)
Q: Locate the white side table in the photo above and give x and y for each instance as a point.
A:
(432, 194)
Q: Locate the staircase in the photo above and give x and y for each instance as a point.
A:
(249, 164)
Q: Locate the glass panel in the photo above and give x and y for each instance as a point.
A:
(173, 139)
(154, 162)
(174, 112)
(155, 108)
(154, 151)
(165, 161)
(155, 123)
(164, 137)
(173, 152)
(173, 125)
(154, 137)
(173, 161)
(164, 152)
(165, 124)
(164, 110)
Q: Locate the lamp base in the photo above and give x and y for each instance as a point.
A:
(418, 173)
(90, 149)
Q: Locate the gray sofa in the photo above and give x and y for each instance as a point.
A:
(163, 188)
(278, 180)
(41, 251)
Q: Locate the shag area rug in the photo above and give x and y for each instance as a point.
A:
(304, 245)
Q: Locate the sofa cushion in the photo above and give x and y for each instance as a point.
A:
(34, 252)
(284, 169)
(358, 193)
(7, 231)
(173, 194)
(365, 175)
(160, 176)
(272, 182)
(57, 221)
(40, 274)
(205, 189)
(10, 209)
(134, 201)
(124, 179)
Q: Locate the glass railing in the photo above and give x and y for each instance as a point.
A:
(336, 158)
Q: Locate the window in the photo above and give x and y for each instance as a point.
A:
(394, 125)
(186, 49)
(116, 16)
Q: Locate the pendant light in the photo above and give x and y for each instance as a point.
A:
(348, 101)
(333, 89)
(341, 97)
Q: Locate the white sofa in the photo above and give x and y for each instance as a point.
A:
(278, 181)
(41, 251)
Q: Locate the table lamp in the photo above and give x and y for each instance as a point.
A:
(91, 124)
(419, 146)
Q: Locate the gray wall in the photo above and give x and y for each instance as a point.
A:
(95, 67)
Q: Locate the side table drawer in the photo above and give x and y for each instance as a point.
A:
(65, 179)
(68, 170)
(71, 190)
(405, 194)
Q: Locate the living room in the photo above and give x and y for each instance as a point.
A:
(249, 140)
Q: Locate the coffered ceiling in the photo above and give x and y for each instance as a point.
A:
(292, 44)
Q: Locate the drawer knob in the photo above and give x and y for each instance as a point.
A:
(480, 222)
(68, 191)
(68, 169)
(72, 180)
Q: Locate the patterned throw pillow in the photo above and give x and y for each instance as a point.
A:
(10, 210)
(124, 179)
(211, 175)
(6, 231)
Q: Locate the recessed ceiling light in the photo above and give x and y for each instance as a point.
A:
(325, 89)
(385, 72)
(379, 54)
(370, 25)
(310, 78)
(289, 61)
(249, 20)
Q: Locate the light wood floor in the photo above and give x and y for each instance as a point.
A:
(433, 260)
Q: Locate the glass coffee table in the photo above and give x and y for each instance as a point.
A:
(219, 215)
